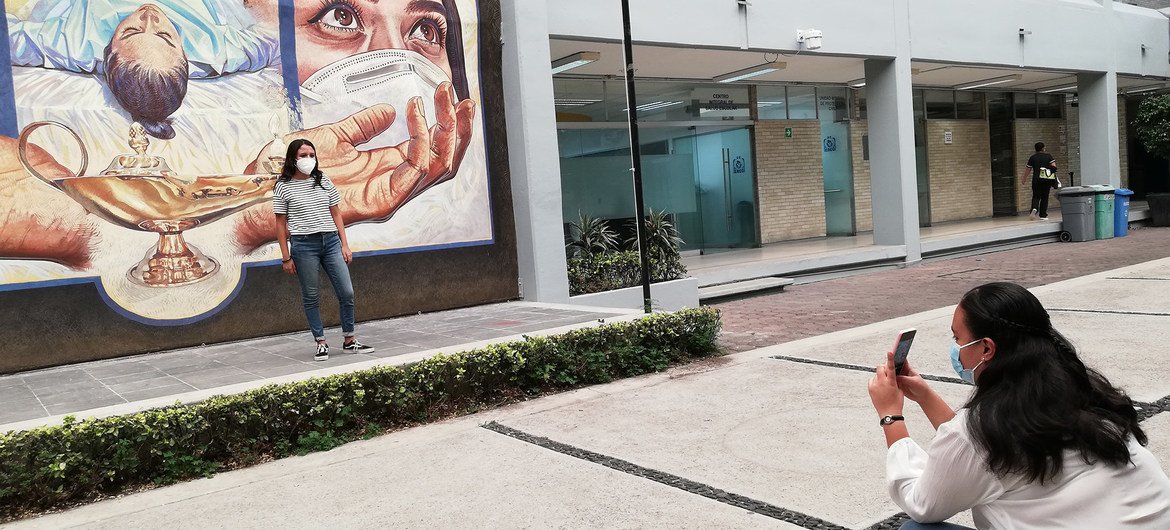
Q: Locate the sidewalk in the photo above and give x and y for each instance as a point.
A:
(142, 381)
(777, 437)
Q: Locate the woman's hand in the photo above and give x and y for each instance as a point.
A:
(289, 267)
(346, 254)
(913, 385)
(887, 398)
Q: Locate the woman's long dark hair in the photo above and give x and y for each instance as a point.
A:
(454, 45)
(290, 162)
(1035, 398)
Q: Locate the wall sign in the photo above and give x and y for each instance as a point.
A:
(948, 139)
(788, 132)
(830, 144)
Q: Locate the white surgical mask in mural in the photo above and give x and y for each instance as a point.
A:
(361, 81)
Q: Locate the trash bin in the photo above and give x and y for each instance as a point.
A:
(1103, 209)
(1159, 208)
(1121, 212)
(1076, 212)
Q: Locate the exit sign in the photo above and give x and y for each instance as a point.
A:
(788, 132)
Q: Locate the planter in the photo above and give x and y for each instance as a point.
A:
(665, 296)
(1159, 208)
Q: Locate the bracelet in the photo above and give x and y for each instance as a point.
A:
(286, 260)
(889, 420)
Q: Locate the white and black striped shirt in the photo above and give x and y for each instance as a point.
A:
(306, 205)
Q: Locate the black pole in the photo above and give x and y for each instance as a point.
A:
(636, 155)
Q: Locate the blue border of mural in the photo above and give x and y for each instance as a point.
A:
(292, 85)
(8, 124)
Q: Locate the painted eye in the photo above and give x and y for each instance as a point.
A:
(427, 31)
(339, 17)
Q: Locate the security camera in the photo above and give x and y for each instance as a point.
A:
(809, 38)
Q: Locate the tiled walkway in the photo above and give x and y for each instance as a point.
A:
(80, 387)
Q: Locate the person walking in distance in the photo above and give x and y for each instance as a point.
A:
(1042, 168)
(311, 235)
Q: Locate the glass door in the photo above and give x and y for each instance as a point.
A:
(1003, 167)
(725, 185)
(923, 166)
(836, 161)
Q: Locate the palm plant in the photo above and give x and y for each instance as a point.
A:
(662, 237)
(590, 236)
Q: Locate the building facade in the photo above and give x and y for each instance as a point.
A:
(902, 114)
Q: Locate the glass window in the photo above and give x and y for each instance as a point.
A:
(1050, 105)
(771, 103)
(833, 104)
(860, 111)
(802, 103)
(940, 104)
(580, 100)
(1025, 105)
(969, 105)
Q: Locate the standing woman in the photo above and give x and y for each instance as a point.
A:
(312, 237)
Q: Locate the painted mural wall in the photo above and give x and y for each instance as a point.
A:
(139, 140)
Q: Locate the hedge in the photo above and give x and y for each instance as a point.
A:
(80, 461)
(609, 271)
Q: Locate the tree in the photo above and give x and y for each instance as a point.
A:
(1152, 125)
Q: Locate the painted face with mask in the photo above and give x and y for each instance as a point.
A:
(354, 54)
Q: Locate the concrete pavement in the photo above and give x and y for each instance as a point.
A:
(776, 437)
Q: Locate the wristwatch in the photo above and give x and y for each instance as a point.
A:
(888, 420)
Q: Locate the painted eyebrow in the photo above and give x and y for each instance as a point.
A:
(425, 6)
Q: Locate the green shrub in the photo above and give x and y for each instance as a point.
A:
(81, 460)
(618, 270)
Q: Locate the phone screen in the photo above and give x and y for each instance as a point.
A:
(902, 349)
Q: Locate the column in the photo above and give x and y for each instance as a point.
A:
(1100, 148)
(894, 180)
(533, 154)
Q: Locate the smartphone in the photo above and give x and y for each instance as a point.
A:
(902, 348)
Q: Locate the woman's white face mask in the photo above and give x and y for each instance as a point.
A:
(358, 82)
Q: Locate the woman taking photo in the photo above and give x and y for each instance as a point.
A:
(1044, 441)
(311, 235)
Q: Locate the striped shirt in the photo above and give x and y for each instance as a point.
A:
(306, 205)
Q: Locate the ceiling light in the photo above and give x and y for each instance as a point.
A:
(1060, 88)
(1146, 88)
(575, 102)
(573, 61)
(989, 82)
(856, 83)
(654, 105)
(754, 71)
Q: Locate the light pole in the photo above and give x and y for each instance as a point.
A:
(636, 156)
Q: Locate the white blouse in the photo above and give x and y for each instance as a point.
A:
(952, 476)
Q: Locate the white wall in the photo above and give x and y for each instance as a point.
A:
(1080, 35)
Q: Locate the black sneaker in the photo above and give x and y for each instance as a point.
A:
(357, 347)
(322, 352)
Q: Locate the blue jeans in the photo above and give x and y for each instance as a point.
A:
(911, 525)
(310, 254)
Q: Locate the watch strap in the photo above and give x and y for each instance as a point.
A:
(889, 420)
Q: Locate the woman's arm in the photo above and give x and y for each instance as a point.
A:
(335, 212)
(919, 391)
(934, 485)
(282, 240)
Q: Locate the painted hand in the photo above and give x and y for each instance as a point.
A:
(376, 183)
(38, 221)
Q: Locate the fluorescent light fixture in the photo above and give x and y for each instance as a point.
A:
(989, 82)
(754, 71)
(856, 83)
(1146, 88)
(1061, 88)
(575, 102)
(654, 106)
(573, 61)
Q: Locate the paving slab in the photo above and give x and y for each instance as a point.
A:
(797, 436)
(440, 476)
(1148, 296)
(1158, 430)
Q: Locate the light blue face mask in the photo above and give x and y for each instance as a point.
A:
(966, 374)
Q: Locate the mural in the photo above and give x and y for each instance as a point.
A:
(147, 135)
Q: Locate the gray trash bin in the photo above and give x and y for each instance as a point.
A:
(1077, 213)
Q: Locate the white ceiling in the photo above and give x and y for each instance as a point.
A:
(807, 67)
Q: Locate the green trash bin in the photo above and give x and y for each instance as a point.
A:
(1103, 210)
